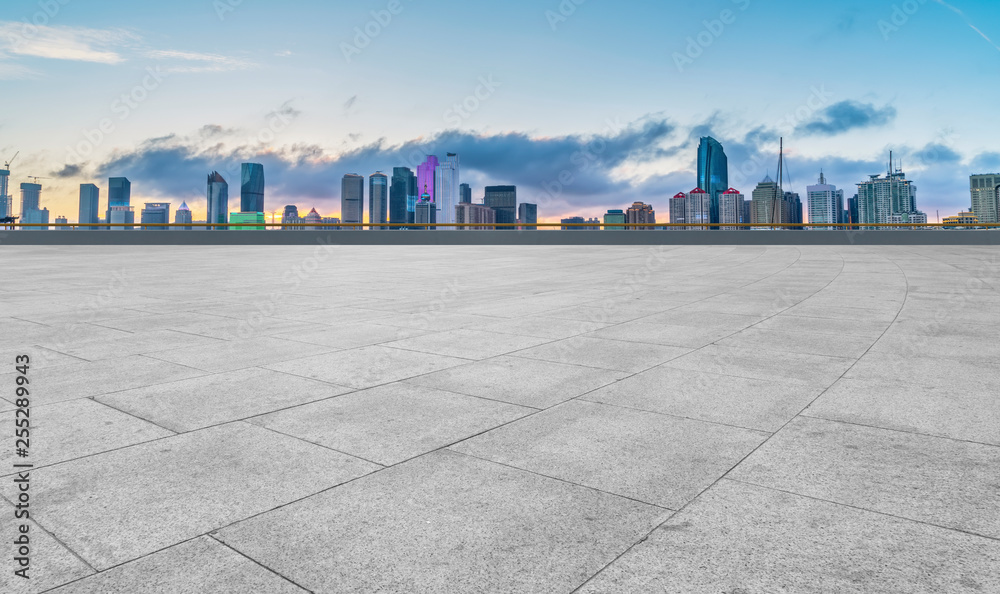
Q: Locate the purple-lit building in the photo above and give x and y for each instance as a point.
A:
(425, 176)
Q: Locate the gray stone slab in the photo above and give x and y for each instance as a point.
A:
(445, 523)
(392, 423)
(353, 335)
(367, 367)
(739, 538)
(148, 323)
(599, 313)
(121, 505)
(616, 355)
(40, 358)
(543, 327)
(98, 349)
(685, 316)
(927, 371)
(51, 563)
(765, 365)
(968, 412)
(653, 458)
(939, 481)
(220, 398)
(86, 379)
(74, 429)
(528, 382)
(827, 326)
(194, 567)
(831, 345)
(240, 354)
(765, 405)
(693, 337)
(468, 344)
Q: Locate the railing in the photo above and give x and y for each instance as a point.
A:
(499, 226)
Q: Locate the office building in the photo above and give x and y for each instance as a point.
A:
(614, 220)
(290, 217)
(352, 199)
(527, 215)
(713, 173)
(678, 211)
(121, 218)
(6, 201)
(426, 176)
(61, 223)
(851, 212)
(697, 210)
(963, 220)
(474, 217)
(31, 211)
(770, 205)
(378, 199)
(90, 198)
(465, 193)
(446, 188)
(155, 213)
(826, 203)
(888, 199)
(119, 194)
(218, 201)
(731, 211)
(588, 224)
(402, 197)
(985, 190)
(312, 218)
(183, 218)
(425, 212)
(503, 199)
(247, 221)
(252, 188)
(640, 214)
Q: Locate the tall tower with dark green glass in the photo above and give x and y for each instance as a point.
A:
(713, 173)
(252, 188)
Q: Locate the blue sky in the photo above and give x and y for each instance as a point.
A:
(609, 97)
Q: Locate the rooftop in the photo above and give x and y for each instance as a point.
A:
(506, 418)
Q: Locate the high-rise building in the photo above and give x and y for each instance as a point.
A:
(731, 209)
(426, 176)
(119, 194)
(218, 201)
(123, 217)
(985, 190)
(425, 212)
(641, 214)
(888, 199)
(378, 200)
(794, 205)
(6, 201)
(183, 218)
(90, 198)
(474, 217)
(465, 193)
(252, 188)
(502, 199)
(826, 203)
(713, 173)
(312, 218)
(614, 220)
(851, 212)
(352, 199)
(769, 204)
(678, 211)
(697, 209)
(31, 211)
(446, 188)
(402, 197)
(290, 217)
(572, 221)
(155, 213)
(61, 223)
(527, 215)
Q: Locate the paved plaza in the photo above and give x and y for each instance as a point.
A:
(449, 419)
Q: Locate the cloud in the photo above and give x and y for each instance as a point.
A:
(194, 62)
(988, 162)
(847, 115)
(936, 153)
(68, 171)
(350, 103)
(64, 43)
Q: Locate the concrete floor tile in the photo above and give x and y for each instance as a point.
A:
(131, 344)
(197, 566)
(630, 357)
(121, 505)
(240, 354)
(543, 327)
(468, 344)
(392, 423)
(666, 334)
(51, 563)
(765, 405)
(367, 367)
(353, 335)
(830, 345)
(200, 402)
(653, 458)
(939, 481)
(745, 538)
(765, 365)
(445, 523)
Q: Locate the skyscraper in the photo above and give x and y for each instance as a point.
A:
(90, 198)
(697, 209)
(403, 188)
(183, 219)
(768, 205)
(614, 220)
(474, 217)
(218, 201)
(352, 199)
(887, 199)
(123, 217)
(852, 211)
(6, 202)
(503, 199)
(731, 209)
(252, 188)
(826, 203)
(713, 173)
(155, 213)
(426, 176)
(378, 199)
(678, 211)
(425, 212)
(985, 190)
(31, 211)
(465, 193)
(291, 213)
(446, 188)
(119, 193)
(640, 214)
(527, 214)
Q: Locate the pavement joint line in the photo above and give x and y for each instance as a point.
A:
(903, 431)
(864, 509)
(259, 564)
(457, 393)
(302, 439)
(673, 416)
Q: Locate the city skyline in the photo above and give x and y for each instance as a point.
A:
(514, 120)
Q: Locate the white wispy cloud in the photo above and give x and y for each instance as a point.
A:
(65, 43)
(198, 62)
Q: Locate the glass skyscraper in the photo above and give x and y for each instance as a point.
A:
(352, 199)
(6, 209)
(378, 199)
(218, 201)
(252, 188)
(90, 196)
(713, 173)
(503, 199)
(465, 194)
(119, 193)
(425, 176)
(402, 190)
(446, 188)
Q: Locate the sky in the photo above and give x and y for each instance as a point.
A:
(585, 105)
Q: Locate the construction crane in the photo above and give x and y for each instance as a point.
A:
(37, 177)
(7, 164)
